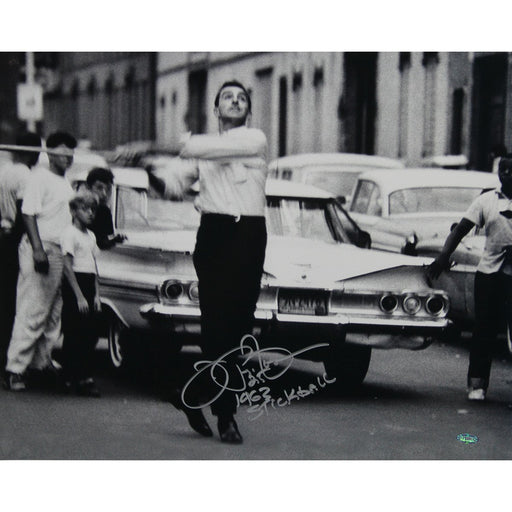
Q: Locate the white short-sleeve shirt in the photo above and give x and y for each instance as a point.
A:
(47, 198)
(82, 246)
(485, 212)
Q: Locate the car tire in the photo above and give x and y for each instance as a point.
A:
(125, 346)
(348, 364)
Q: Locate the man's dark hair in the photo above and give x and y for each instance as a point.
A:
(56, 139)
(100, 174)
(28, 139)
(232, 83)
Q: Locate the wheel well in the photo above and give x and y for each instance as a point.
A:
(108, 312)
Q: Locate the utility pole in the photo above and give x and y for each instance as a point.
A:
(30, 96)
(29, 79)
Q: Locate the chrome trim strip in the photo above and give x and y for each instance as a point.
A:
(155, 309)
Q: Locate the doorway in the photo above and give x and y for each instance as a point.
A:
(358, 104)
(489, 107)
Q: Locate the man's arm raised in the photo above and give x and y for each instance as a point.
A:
(239, 142)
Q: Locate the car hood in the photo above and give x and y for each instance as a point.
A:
(294, 261)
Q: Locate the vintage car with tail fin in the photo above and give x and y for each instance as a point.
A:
(321, 283)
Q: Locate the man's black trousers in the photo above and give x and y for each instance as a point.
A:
(228, 259)
(493, 306)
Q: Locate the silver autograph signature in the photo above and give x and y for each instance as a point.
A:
(259, 400)
(218, 371)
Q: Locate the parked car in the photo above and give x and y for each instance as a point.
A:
(317, 285)
(400, 207)
(334, 172)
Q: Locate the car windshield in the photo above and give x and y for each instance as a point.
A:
(314, 219)
(431, 199)
(135, 211)
(304, 218)
(338, 183)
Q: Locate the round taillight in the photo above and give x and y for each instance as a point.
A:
(193, 291)
(172, 290)
(388, 303)
(411, 304)
(435, 305)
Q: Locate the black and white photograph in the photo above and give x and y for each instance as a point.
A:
(255, 253)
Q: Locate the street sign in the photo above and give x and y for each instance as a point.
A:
(30, 102)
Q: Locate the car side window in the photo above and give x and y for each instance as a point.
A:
(131, 208)
(375, 203)
(363, 197)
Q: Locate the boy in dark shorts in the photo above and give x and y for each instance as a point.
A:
(81, 301)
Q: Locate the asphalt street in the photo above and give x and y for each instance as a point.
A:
(412, 406)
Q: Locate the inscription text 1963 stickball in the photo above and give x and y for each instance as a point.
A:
(245, 378)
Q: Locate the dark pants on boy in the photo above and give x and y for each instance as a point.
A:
(493, 306)
(80, 330)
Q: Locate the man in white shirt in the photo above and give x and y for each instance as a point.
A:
(493, 280)
(37, 325)
(13, 178)
(231, 240)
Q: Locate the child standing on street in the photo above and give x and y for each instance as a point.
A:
(81, 301)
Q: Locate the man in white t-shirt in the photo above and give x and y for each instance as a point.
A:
(13, 177)
(493, 280)
(37, 325)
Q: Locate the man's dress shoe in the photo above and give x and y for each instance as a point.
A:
(198, 422)
(228, 431)
(195, 417)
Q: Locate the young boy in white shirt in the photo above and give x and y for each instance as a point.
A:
(81, 301)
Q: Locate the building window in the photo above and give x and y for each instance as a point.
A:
(283, 114)
(75, 90)
(457, 121)
(430, 58)
(196, 116)
(405, 72)
(404, 61)
(296, 81)
(318, 76)
(91, 87)
(109, 85)
(430, 61)
(318, 90)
